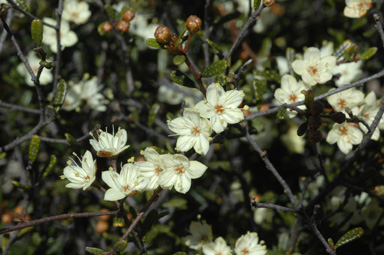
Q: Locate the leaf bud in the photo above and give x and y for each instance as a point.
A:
(128, 15)
(317, 107)
(163, 34)
(122, 26)
(338, 117)
(315, 122)
(315, 136)
(193, 23)
(37, 31)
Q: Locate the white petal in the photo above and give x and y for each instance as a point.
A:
(113, 195)
(196, 169)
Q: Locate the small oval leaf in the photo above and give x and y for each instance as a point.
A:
(37, 31)
(110, 11)
(178, 60)
(61, 92)
(182, 79)
(94, 250)
(216, 68)
(256, 4)
(120, 246)
(368, 53)
(22, 5)
(282, 113)
(50, 166)
(34, 148)
(152, 42)
(350, 236)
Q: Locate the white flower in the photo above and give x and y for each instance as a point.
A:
(67, 37)
(248, 245)
(221, 107)
(151, 168)
(174, 94)
(282, 65)
(46, 76)
(347, 98)
(87, 90)
(141, 27)
(349, 72)
(178, 172)
(127, 183)
(76, 12)
(345, 135)
(357, 8)
(290, 92)
(219, 247)
(81, 177)
(193, 132)
(109, 145)
(292, 141)
(314, 68)
(368, 112)
(201, 233)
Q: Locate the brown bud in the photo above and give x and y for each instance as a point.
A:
(338, 117)
(102, 226)
(315, 122)
(302, 129)
(128, 15)
(269, 2)
(104, 217)
(193, 23)
(107, 27)
(317, 107)
(315, 136)
(123, 26)
(162, 34)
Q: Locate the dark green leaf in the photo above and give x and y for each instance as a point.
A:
(110, 11)
(350, 236)
(37, 31)
(256, 4)
(182, 79)
(34, 148)
(282, 113)
(178, 60)
(120, 246)
(368, 53)
(152, 42)
(216, 68)
(94, 250)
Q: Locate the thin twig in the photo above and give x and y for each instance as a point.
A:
(54, 218)
(274, 207)
(59, 12)
(207, 33)
(19, 108)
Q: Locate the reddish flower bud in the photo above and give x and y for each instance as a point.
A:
(315, 136)
(128, 15)
(269, 2)
(317, 107)
(107, 27)
(193, 23)
(338, 117)
(315, 122)
(162, 34)
(123, 26)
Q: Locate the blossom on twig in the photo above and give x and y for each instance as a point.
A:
(109, 145)
(67, 37)
(249, 245)
(345, 135)
(357, 8)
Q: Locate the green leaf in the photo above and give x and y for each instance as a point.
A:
(180, 203)
(94, 250)
(152, 42)
(178, 60)
(256, 4)
(346, 46)
(182, 79)
(214, 46)
(50, 166)
(21, 186)
(257, 125)
(331, 243)
(37, 31)
(266, 47)
(22, 5)
(282, 113)
(110, 11)
(350, 236)
(120, 246)
(34, 148)
(216, 68)
(61, 93)
(368, 53)
(259, 87)
(70, 139)
(153, 113)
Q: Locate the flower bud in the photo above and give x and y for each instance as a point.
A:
(128, 15)
(317, 107)
(338, 117)
(315, 136)
(193, 23)
(315, 122)
(107, 27)
(123, 26)
(162, 34)
(302, 129)
(269, 2)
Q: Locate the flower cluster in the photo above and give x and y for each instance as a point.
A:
(215, 113)
(201, 238)
(68, 37)
(158, 170)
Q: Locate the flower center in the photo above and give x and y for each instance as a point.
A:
(179, 169)
(195, 131)
(366, 116)
(125, 188)
(158, 170)
(363, 7)
(312, 70)
(245, 251)
(87, 178)
(343, 131)
(219, 109)
(292, 98)
(342, 103)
